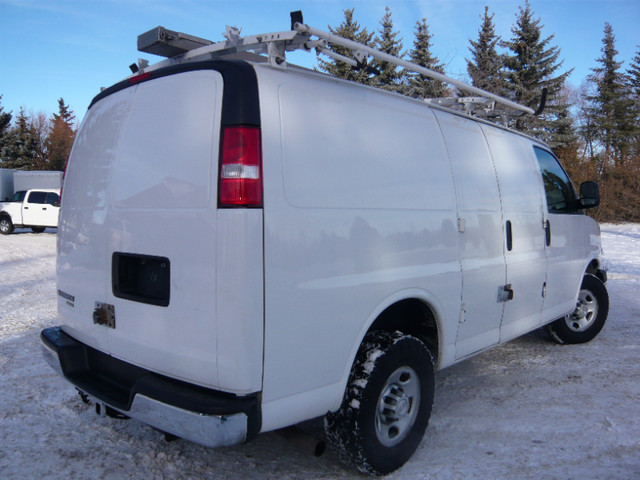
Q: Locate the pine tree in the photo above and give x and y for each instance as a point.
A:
(19, 149)
(61, 137)
(349, 29)
(530, 66)
(5, 123)
(421, 86)
(486, 66)
(390, 77)
(612, 110)
(40, 127)
(633, 73)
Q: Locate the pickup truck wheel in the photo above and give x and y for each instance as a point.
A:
(6, 226)
(38, 229)
(588, 318)
(387, 404)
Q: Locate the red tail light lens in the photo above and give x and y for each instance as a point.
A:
(241, 167)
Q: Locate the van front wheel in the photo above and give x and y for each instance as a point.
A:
(588, 318)
(387, 404)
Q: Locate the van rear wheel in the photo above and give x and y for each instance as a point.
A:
(6, 226)
(38, 229)
(387, 404)
(589, 316)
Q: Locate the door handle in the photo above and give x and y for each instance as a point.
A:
(509, 236)
(547, 233)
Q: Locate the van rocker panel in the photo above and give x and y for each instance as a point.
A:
(198, 414)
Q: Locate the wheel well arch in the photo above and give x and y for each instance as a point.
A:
(411, 316)
(594, 268)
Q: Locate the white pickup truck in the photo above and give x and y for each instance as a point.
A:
(36, 209)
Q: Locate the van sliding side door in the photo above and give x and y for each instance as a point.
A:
(482, 258)
(524, 233)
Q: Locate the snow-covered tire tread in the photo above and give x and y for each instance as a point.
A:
(351, 430)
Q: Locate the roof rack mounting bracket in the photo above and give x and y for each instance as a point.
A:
(232, 34)
(277, 55)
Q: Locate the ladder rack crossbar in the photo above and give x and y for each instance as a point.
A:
(385, 57)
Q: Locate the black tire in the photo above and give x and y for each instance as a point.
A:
(588, 318)
(6, 226)
(387, 404)
(38, 229)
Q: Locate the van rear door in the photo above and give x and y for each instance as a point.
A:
(161, 228)
(156, 292)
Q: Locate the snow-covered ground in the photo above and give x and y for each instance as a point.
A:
(530, 409)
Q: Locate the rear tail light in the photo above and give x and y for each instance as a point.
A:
(240, 167)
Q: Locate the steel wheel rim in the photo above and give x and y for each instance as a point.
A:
(585, 313)
(398, 406)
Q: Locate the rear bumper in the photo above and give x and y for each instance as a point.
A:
(201, 415)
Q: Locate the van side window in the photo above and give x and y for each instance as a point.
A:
(37, 197)
(561, 196)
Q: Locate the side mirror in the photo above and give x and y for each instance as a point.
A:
(589, 195)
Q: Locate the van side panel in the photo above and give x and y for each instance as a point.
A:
(359, 207)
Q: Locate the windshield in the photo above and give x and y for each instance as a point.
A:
(18, 196)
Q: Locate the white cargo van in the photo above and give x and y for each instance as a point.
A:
(244, 245)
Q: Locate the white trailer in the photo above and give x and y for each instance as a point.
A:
(6, 184)
(36, 179)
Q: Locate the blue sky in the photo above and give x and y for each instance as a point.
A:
(71, 48)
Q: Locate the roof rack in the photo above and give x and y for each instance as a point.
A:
(179, 47)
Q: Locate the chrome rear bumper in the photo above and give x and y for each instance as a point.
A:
(203, 416)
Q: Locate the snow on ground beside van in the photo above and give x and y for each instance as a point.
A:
(529, 409)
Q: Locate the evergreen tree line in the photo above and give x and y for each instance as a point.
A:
(35, 142)
(594, 129)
